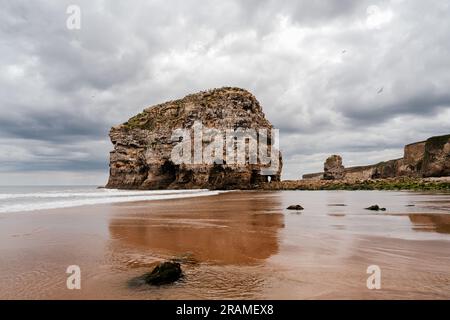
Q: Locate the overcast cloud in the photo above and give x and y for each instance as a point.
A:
(358, 78)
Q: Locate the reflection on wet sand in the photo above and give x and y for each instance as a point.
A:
(431, 222)
(237, 245)
(224, 230)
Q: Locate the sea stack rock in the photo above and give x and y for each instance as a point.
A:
(216, 139)
(333, 168)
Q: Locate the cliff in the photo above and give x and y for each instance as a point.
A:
(436, 160)
(430, 158)
(204, 140)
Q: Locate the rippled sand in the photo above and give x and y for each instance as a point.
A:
(236, 245)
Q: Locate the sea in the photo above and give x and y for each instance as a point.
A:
(31, 198)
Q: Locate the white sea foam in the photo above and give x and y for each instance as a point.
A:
(102, 193)
(54, 199)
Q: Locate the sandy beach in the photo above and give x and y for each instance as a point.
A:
(235, 245)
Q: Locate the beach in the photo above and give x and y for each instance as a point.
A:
(234, 245)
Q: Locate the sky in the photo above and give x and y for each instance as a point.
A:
(351, 77)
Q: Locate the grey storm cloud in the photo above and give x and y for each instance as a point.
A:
(359, 78)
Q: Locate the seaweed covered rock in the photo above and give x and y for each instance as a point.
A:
(212, 121)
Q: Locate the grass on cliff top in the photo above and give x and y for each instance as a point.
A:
(173, 110)
(138, 121)
(156, 116)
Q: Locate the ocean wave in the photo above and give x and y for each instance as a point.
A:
(120, 196)
(102, 193)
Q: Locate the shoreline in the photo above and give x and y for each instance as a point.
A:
(387, 184)
(138, 195)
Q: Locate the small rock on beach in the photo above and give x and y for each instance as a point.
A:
(375, 208)
(164, 273)
(295, 207)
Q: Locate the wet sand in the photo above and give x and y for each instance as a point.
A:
(236, 245)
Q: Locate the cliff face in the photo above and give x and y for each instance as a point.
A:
(430, 158)
(413, 158)
(193, 143)
(436, 160)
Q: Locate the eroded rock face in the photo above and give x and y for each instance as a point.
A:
(143, 146)
(411, 164)
(436, 161)
(424, 159)
(333, 168)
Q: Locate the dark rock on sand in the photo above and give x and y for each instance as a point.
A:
(295, 207)
(376, 208)
(164, 273)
